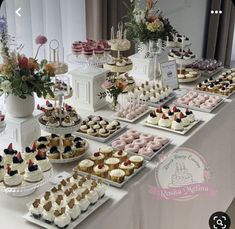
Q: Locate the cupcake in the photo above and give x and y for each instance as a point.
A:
(62, 218)
(12, 178)
(117, 175)
(18, 163)
(48, 213)
(121, 155)
(101, 170)
(107, 151)
(92, 195)
(128, 167)
(42, 161)
(97, 158)
(73, 209)
(78, 149)
(35, 209)
(100, 188)
(86, 165)
(68, 140)
(33, 173)
(68, 152)
(82, 202)
(29, 154)
(137, 161)
(177, 124)
(53, 153)
(112, 163)
(54, 140)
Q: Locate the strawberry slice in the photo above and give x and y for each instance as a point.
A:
(175, 109)
(10, 146)
(19, 156)
(8, 169)
(34, 146)
(30, 163)
(181, 115)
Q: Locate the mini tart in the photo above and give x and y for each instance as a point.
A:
(111, 128)
(84, 128)
(104, 132)
(121, 155)
(137, 161)
(33, 173)
(29, 154)
(117, 175)
(54, 140)
(128, 167)
(101, 170)
(92, 132)
(97, 158)
(43, 163)
(53, 153)
(86, 165)
(112, 163)
(42, 140)
(12, 178)
(107, 151)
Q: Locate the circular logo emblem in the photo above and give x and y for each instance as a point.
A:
(181, 174)
(219, 220)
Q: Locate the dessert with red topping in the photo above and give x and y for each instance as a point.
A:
(33, 173)
(101, 170)
(97, 158)
(128, 167)
(12, 178)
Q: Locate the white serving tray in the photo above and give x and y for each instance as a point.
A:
(73, 224)
(101, 139)
(164, 101)
(198, 108)
(110, 182)
(212, 93)
(183, 132)
(211, 73)
(133, 120)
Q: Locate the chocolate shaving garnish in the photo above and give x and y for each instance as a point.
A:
(59, 187)
(54, 190)
(57, 213)
(48, 206)
(36, 203)
(83, 195)
(63, 182)
(86, 191)
(74, 187)
(71, 203)
(47, 195)
(62, 211)
(67, 192)
(78, 198)
(75, 175)
(59, 199)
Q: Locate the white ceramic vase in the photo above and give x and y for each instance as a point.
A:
(20, 108)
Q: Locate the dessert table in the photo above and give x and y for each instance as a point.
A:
(132, 206)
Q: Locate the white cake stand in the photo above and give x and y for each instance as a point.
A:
(26, 188)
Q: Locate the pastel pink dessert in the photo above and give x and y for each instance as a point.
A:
(133, 133)
(127, 138)
(132, 148)
(147, 137)
(206, 106)
(119, 144)
(140, 142)
(162, 140)
(155, 146)
(146, 151)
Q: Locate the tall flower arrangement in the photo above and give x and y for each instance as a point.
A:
(21, 75)
(147, 24)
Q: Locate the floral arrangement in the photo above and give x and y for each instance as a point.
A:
(20, 75)
(113, 86)
(148, 24)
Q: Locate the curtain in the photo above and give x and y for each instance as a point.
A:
(220, 31)
(56, 19)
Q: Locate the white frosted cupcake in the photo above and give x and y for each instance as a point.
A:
(117, 175)
(137, 161)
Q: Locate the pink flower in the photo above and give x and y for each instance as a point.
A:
(41, 40)
(107, 85)
(23, 62)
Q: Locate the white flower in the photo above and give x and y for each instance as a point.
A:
(6, 86)
(140, 16)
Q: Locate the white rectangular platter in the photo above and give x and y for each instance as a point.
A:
(73, 224)
(135, 119)
(183, 132)
(101, 139)
(112, 183)
(163, 102)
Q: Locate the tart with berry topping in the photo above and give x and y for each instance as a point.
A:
(33, 173)
(128, 167)
(42, 161)
(53, 153)
(68, 152)
(8, 154)
(29, 153)
(97, 158)
(121, 155)
(18, 163)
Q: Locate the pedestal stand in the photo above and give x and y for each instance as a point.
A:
(86, 87)
(21, 131)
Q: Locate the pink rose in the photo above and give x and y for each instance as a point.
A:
(41, 40)
(107, 85)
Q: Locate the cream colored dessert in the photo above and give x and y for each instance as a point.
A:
(12, 178)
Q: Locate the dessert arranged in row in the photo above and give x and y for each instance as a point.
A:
(150, 93)
(16, 167)
(185, 74)
(139, 143)
(181, 56)
(61, 147)
(67, 201)
(224, 84)
(111, 164)
(203, 101)
(56, 117)
(171, 118)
